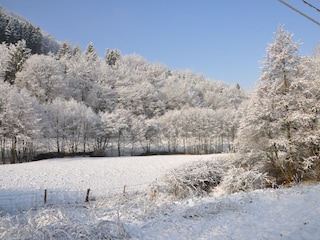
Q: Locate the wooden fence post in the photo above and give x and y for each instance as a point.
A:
(45, 196)
(87, 196)
(124, 189)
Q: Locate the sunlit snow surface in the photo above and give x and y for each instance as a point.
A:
(262, 214)
(101, 175)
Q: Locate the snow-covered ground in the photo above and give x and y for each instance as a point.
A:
(101, 175)
(262, 214)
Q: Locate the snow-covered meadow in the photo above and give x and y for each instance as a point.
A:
(139, 213)
(102, 175)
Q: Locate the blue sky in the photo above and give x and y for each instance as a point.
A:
(222, 39)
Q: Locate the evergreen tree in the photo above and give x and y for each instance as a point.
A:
(3, 23)
(112, 57)
(91, 53)
(76, 51)
(277, 122)
(4, 59)
(64, 51)
(19, 53)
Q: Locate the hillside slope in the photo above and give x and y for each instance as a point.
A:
(14, 28)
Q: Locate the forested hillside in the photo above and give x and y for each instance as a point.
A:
(14, 28)
(62, 99)
(76, 101)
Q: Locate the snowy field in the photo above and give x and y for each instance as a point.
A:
(138, 214)
(102, 175)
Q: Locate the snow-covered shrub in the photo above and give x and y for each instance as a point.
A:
(232, 174)
(194, 178)
(240, 179)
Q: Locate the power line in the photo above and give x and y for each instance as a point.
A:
(310, 5)
(298, 11)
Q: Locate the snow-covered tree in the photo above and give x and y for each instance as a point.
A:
(142, 99)
(64, 51)
(72, 125)
(118, 125)
(43, 77)
(91, 53)
(112, 57)
(278, 119)
(19, 53)
(194, 130)
(20, 117)
(4, 60)
(81, 74)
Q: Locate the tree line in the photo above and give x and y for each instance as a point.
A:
(76, 101)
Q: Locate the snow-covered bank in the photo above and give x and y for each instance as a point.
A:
(261, 214)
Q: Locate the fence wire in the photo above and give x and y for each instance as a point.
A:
(19, 202)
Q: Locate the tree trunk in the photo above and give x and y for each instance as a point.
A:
(13, 150)
(119, 145)
(288, 131)
(3, 149)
